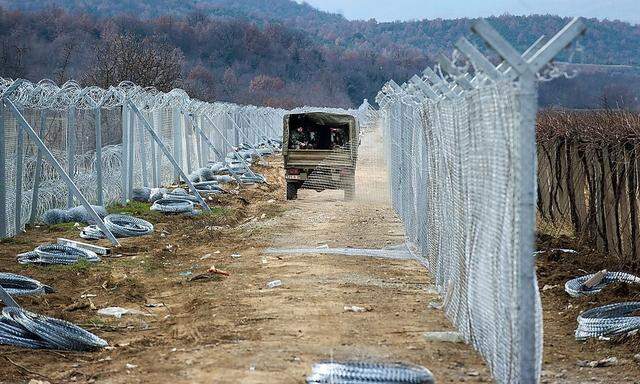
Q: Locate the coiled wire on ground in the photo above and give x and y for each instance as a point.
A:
(361, 373)
(21, 328)
(173, 205)
(18, 285)
(56, 333)
(208, 187)
(57, 254)
(120, 226)
(576, 288)
(248, 178)
(608, 320)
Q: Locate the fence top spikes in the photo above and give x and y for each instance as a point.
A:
(480, 62)
(557, 43)
(11, 88)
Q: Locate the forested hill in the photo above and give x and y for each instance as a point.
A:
(282, 52)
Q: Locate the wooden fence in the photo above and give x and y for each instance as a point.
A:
(588, 171)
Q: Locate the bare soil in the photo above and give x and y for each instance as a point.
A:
(561, 351)
(234, 329)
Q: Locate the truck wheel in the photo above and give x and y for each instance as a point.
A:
(292, 191)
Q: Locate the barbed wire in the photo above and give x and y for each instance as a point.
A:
(47, 95)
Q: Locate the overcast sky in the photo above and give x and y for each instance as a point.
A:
(385, 10)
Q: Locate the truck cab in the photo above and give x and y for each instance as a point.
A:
(320, 152)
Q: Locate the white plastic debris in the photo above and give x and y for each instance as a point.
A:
(131, 366)
(274, 284)
(448, 337)
(117, 312)
(354, 308)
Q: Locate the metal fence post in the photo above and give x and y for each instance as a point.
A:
(19, 176)
(38, 172)
(3, 179)
(525, 68)
(131, 155)
(241, 158)
(67, 179)
(99, 191)
(154, 160)
(71, 149)
(143, 156)
(124, 152)
(177, 143)
(164, 149)
(188, 142)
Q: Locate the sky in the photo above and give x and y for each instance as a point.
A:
(384, 10)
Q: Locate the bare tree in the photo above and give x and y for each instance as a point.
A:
(12, 58)
(148, 62)
(67, 52)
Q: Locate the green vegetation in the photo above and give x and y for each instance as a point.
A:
(135, 208)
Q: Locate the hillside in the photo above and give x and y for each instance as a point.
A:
(306, 56)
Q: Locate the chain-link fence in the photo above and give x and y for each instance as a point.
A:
(460, 144)
(103, 139)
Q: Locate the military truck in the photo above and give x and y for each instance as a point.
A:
(320, 151)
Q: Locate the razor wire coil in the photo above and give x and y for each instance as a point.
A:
(173, 205)
(120, 226)
(12, 333)
(57, 254)
(208, 187)
(18, 285)
(53, 333)
(576, 288)
(609, 320)
(362, 372)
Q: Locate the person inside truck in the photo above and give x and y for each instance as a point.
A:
(337, 138)
(299, 139)
(314, 141)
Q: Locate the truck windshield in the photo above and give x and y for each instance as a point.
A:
(304, 133)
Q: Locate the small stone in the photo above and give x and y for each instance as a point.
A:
(131, 366)
(636, 358)
(598, 363)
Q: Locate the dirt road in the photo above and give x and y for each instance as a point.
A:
(236, 330)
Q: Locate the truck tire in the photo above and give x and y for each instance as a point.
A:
(292, 191)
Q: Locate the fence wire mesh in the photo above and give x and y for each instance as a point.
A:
(73, 121)
(454, 183)
(460, 143)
